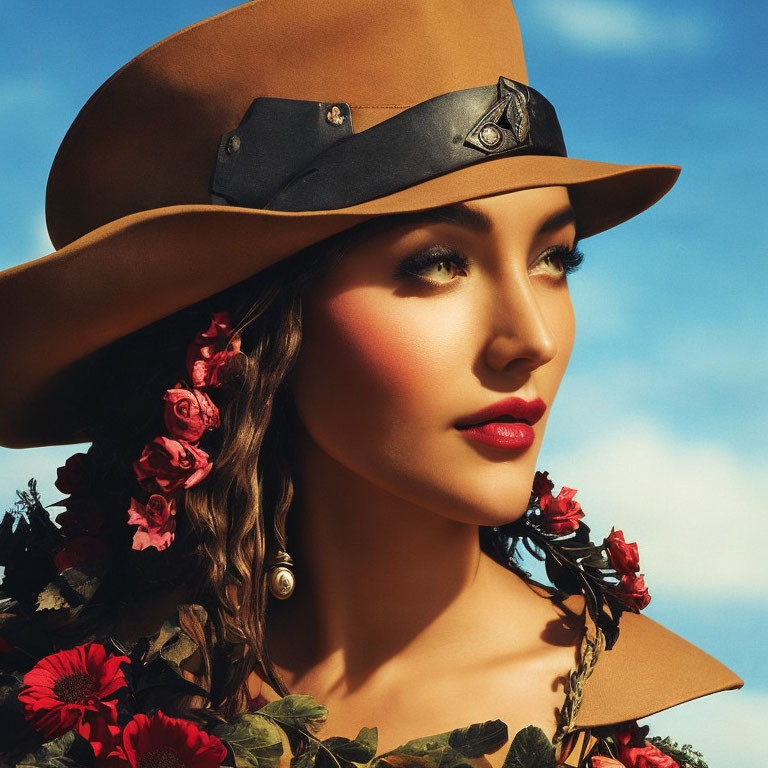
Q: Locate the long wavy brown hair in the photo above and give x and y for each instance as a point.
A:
(230, 526)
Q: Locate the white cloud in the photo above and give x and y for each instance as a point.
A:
(723, 727)
(696, 509)
(619, 26)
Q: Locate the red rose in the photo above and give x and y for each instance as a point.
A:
(82, 515)
(560, 515)
(624, 555)
(211, 350)
(636, 752)
(156, 521)
(542, 485)
(75, 690)
(69, 478)
(160, 741)
(167, 464)
(188, 413)
(598, 761)
(79, 550)
(631, 590)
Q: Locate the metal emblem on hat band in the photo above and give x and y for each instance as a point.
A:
(507, 124)
(296, 155)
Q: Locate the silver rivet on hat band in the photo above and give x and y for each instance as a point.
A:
(233, 144)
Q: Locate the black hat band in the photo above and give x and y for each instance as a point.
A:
(293, 155)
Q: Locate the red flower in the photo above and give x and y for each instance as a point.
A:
(211, 350)
(82, 515)
(167, 742)
(599, 761)
(170, 464)
(624, 555)
(188, 413)
(75, 689)
(631, 590)
(156, 521)
(79, 550)
(636, 752)
(542, 485)
(69, 478)
(560, 515)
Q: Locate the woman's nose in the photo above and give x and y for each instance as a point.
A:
(522, 339)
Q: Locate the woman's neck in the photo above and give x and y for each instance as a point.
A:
(377, 577)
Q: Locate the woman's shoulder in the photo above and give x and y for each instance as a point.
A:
(650, 668)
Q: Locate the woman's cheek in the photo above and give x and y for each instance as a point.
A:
(382, 363)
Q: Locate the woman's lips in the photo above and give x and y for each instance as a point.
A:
(506, 424)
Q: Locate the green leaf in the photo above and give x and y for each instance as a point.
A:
(307, 758)
(479, 739)
(369, 737)
(341, 751)
(297, 710)
(255, 740)
(530, 749)
(426, 752)
(68, 751)
(685, 755)
(179, 651)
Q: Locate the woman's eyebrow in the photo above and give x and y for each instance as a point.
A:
(559, 219)
(477, 221)
(459, 215)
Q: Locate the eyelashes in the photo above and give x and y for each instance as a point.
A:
(570, 258)
(420, 263)
(446, 263)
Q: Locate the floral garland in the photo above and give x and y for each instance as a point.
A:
(553, 532)
(106, 704)
(172, 463)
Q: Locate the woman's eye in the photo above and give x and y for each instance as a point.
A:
(558, 261)
(437, 265)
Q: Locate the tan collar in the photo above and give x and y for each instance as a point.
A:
(648, 670)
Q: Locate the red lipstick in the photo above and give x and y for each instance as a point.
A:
(507, 424)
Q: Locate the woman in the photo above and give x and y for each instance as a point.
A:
(315, 347)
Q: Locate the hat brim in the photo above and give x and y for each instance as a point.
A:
(131, 272)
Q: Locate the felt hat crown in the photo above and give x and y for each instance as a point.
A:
(257, 132)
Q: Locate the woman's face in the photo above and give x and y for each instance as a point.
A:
(420, 328)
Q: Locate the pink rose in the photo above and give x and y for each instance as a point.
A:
(560, 515)
(156, 521)
(167, 464)
(188, 413)
(69, 478)
(631, 590)
(636, 752)
(624, 555)
(209, 353)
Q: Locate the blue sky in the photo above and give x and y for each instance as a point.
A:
(661, 420)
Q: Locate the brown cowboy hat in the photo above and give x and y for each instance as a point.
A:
(257, 132)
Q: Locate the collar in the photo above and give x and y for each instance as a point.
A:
(648, 670)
